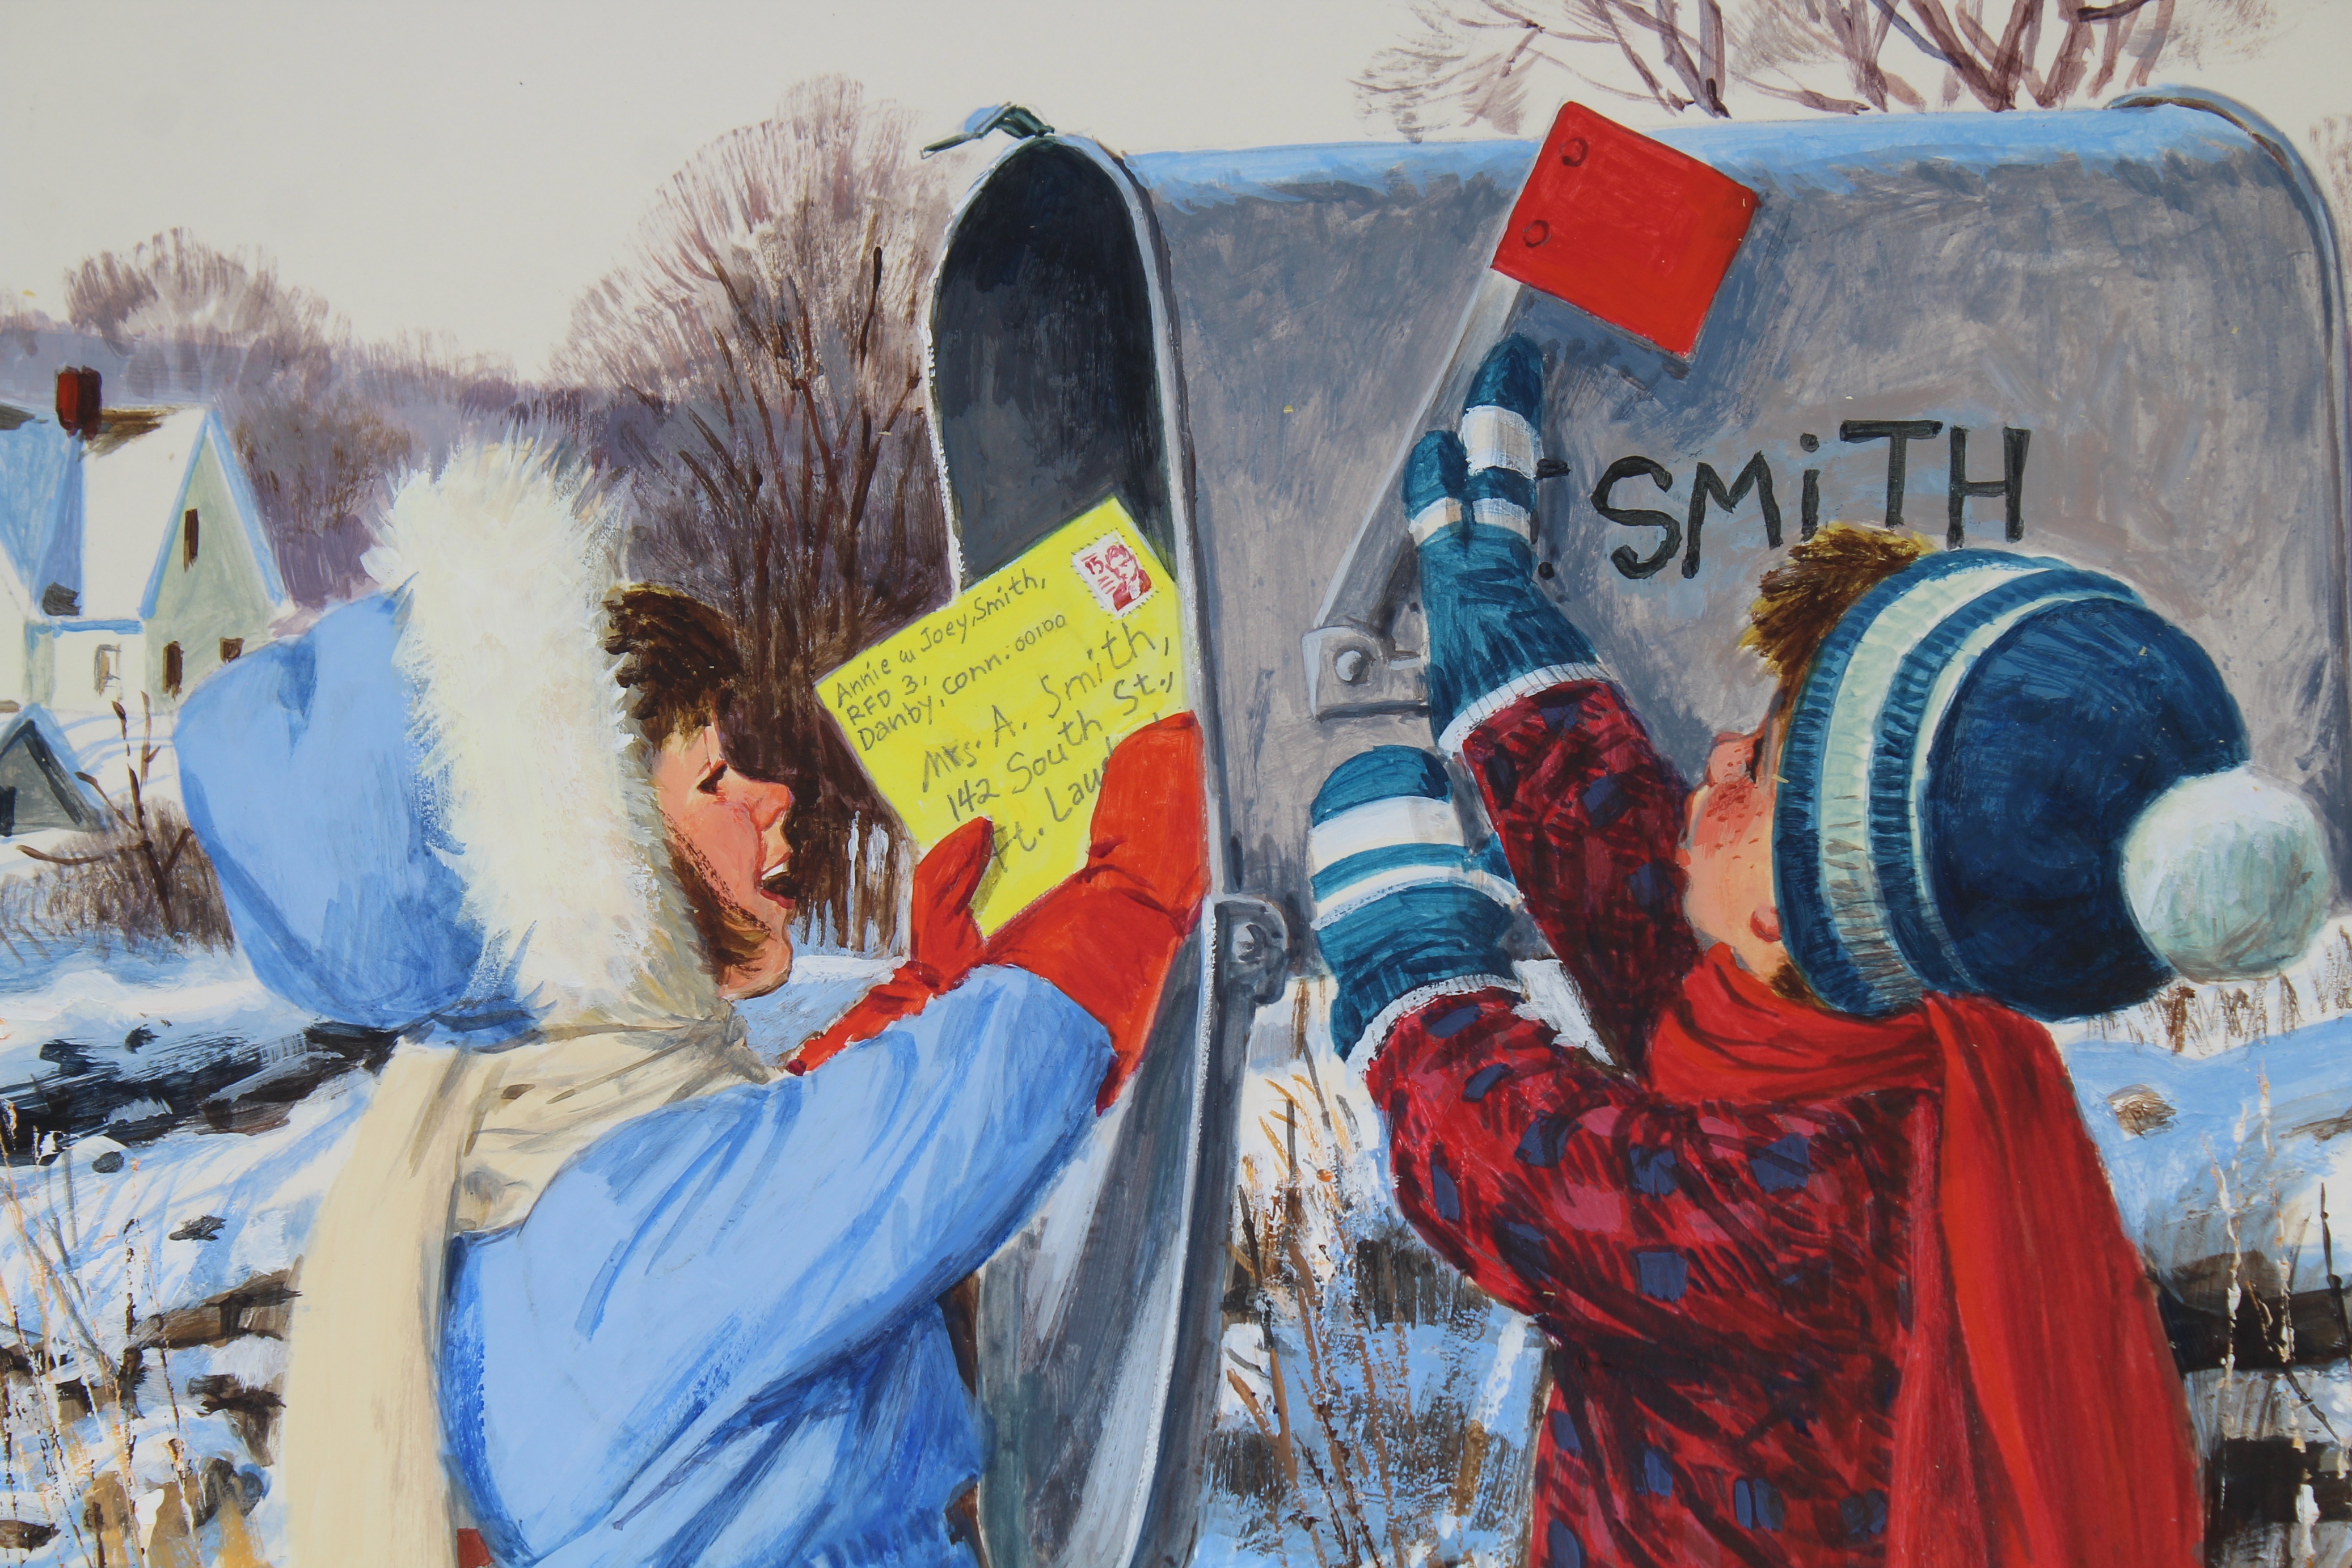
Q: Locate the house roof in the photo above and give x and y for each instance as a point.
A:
(104, 526)
(130, 495)
(36, 735)
(35, 455)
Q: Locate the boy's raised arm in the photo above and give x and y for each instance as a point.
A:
(1587, 812)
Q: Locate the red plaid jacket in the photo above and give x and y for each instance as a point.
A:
(1727, 1334)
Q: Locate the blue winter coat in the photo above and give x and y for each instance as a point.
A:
(716, 1339)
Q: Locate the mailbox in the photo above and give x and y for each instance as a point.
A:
(2112, 335)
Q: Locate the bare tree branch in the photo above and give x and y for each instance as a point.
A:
(1608, 15)
(1612, 88)
(1918, 39)
(766, 335)
(2160, 33)
(1470, 62)
(1821, 103)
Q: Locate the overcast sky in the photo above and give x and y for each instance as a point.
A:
(467, 170)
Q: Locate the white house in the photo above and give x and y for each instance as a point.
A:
(131, 555)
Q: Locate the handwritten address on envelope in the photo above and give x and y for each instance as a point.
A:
(1005, 704)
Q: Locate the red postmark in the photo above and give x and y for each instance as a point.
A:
(1114, 573)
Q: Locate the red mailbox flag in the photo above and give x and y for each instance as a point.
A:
(1625, 227)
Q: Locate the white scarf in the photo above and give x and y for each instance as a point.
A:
(539, 779)
(453, 1141)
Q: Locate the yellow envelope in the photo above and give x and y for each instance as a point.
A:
(1005, 704)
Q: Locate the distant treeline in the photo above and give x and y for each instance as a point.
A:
(748, 376)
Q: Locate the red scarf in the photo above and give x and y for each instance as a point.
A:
(2043, 1424)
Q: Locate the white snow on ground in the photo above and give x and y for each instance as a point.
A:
(2231, 1157)
(2225, 1147)
(99, 1004)
(2248, 1146)
(2228, 1148)
(106, 1235)
(1300, 1101)
(85, 1252)
(264, 1186)
(112, 1229)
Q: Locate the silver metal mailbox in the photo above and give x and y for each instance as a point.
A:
(2112, 335)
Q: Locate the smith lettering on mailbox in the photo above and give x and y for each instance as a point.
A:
(1683, 535)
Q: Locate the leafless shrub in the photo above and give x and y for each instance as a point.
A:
(72, 1421)
(2334, 989)
(764, 345)
(2200, 1019)
(1467, 62)
(143, 881)
(177, 285)
(2213, 30)
(1340, 1456)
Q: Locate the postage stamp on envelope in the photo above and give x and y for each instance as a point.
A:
(1115, 574)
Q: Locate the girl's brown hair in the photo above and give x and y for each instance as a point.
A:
(680, 664)
(678, 658)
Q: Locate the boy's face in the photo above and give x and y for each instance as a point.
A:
(1726, 850)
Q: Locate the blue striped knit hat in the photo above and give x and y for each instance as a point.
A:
(2007, 776)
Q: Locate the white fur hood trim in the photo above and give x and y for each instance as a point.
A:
(502, 562)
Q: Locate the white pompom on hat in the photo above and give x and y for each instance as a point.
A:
(2226, 875)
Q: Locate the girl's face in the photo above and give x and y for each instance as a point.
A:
(728, 829)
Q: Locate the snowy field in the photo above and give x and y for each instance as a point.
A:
(179, 1126)
(176, 1127)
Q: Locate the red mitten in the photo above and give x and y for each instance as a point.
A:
(942, 945)
(1105, 936)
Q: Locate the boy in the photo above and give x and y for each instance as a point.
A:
(1834, 1275)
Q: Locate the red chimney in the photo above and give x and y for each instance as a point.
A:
(78, 401)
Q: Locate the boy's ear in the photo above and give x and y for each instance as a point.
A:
(1766, 924)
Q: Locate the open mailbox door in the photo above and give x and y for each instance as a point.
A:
(2114, 336)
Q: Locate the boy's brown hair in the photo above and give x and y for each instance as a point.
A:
(1825, 576)
(1796, 605)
